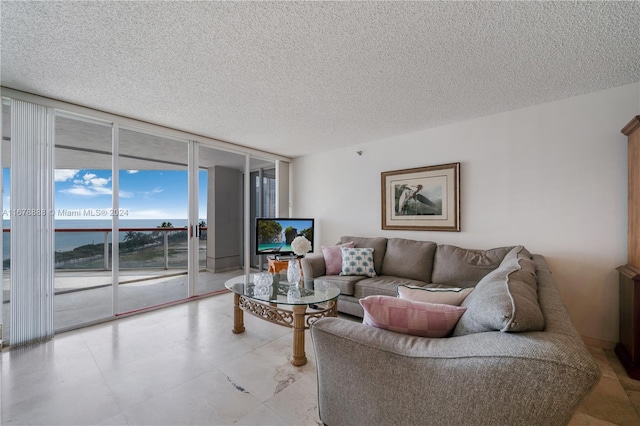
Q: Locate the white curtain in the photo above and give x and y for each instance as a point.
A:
(32, 222)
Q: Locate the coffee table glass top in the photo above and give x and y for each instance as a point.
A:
(280, 292)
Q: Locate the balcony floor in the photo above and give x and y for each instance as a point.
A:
(85, 297)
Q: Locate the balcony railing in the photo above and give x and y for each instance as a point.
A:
(139, 248)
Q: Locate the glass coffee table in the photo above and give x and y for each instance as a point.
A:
(308, 303)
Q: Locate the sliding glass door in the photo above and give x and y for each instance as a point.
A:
(142, 215)
(82, 200)
(154, 232)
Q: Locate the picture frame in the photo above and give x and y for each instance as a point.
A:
(422, 199)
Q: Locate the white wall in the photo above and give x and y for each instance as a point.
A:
(552, 177)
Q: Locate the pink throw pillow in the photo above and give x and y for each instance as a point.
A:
(333, 257)
(409, 317)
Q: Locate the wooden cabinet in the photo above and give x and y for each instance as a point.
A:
(628, 349)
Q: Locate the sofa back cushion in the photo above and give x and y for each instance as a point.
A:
(409, 259)
(459, 267)
(378, 244)
(505, 300)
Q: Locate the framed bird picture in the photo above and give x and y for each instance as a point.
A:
(422, 199)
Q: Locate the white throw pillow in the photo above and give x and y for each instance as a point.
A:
(448, 296)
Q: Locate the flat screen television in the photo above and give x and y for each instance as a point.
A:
(274, 235)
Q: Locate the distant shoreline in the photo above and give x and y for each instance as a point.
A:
(68, 241)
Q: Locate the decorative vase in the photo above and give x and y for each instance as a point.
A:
(293, 272)
(293, 294)
(262, 284)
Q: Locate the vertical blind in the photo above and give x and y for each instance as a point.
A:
(32, 222)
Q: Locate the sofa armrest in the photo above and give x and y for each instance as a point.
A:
(372, 376)
(313, 265)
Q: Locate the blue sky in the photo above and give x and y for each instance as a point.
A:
(144, 194)
(296, 224)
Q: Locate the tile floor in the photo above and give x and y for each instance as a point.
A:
(616, 398)
(183, 365)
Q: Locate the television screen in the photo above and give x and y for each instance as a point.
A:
(274, 235)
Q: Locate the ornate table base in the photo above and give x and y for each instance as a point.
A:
(298, 318)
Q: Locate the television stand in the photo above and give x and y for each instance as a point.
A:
(286, 257)
(280, 264)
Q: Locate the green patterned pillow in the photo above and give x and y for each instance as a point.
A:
(357, 261)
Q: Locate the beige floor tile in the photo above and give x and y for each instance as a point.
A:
(84, 402)
(627, 382)
(118, 420)
(183, 365)
(634, 397)
(209, 399)
(261, 416)
(601, 359)
(265, 371)
(296, 404)
(610, 401)
(580, 419)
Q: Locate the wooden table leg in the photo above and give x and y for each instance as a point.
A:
(238, 315)
(299, 356)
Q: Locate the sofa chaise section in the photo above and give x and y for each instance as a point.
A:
(371, 376)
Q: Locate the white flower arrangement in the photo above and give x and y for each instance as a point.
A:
(300, 245)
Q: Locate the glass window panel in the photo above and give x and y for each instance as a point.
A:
(83, 182)
(153, 237)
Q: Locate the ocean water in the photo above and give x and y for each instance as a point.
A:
(65, 241)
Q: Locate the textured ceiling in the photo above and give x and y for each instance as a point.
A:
(294, 78)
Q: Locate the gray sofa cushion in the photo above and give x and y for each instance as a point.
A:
(409, 259)
(378, 244)
(381, 285)
(505, 300)
(350, 305)
(460, 267)
(346, 284)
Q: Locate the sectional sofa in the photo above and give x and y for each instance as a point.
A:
(402, 261)
(513, 358)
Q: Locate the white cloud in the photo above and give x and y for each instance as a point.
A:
(99, 181)
(132, 172)
(89, 186)
(63, 175)
(79, 190)
(156, 190)
(94, 191)
(101, 190)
